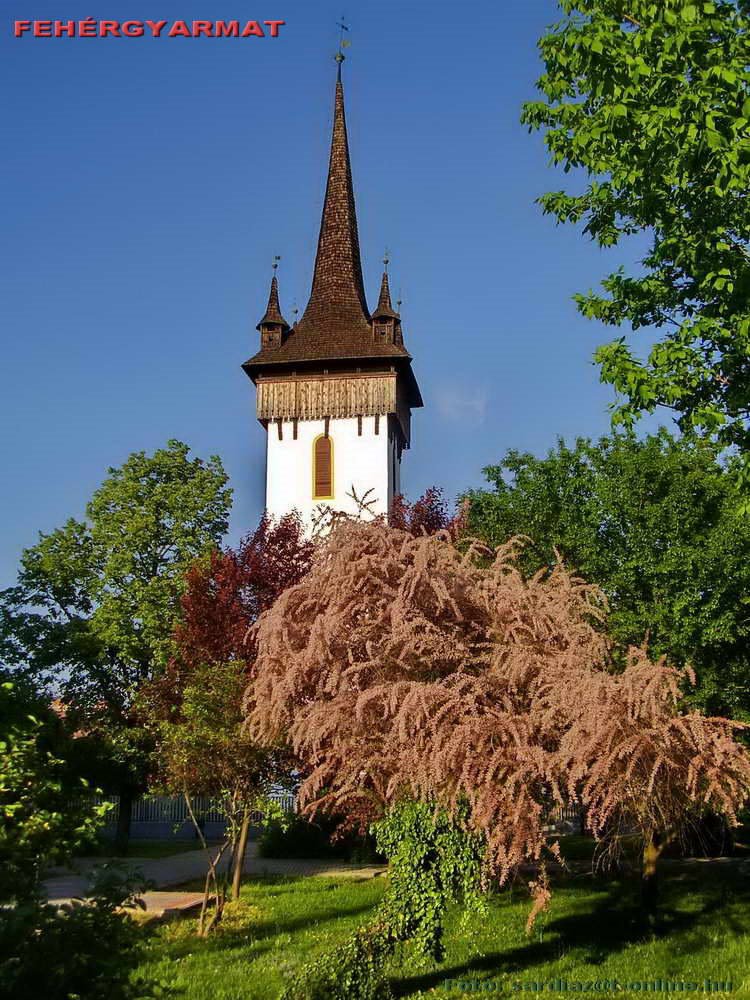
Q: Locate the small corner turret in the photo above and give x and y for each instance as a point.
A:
(273, 327)
(385, 321)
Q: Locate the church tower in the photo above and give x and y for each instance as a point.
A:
(335, 390)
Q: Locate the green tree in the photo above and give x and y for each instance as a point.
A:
(204, 748)
(655, 523)
(96, 601)
(650, 99)
(43, 817)
(59, 952)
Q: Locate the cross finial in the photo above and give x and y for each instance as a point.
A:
(343, 43)
(343, 27)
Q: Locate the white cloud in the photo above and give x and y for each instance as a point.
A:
(462, 402)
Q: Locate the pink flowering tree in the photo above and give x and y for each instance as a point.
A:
(410, 668)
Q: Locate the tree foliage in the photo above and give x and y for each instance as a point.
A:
(206, 750)
(654, 523)
(44, 815)
(195, 706)
(88, 948)
(225, 595)
(427, 515)
(96, 601)
(402, 667)
(651, 100)
(196, 702)
(432, 863)
(101, 596)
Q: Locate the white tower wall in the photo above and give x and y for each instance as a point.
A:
(366, 462)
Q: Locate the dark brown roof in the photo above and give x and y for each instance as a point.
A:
(338, 292)
(273, 315)
(336, 322)
(384, 307)
(302, 345)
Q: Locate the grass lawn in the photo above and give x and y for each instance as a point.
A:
(590, 934)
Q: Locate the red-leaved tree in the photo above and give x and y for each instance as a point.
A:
(403, 667)
(224, 597)
(427, 515)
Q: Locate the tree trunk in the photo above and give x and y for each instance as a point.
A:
(239, 855)
(124, 816)
(219, 894)
(212, 876)
(652, 848)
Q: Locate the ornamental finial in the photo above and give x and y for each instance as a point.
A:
(343, 44)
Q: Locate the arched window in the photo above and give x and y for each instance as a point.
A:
(323, 468)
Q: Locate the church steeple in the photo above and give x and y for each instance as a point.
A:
(337, 298)
(335, 392)
(336, 332)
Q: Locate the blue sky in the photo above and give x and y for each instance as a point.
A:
(147, 185)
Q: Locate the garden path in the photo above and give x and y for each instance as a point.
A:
(67, 884)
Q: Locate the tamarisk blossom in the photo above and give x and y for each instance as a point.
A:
(406, 666)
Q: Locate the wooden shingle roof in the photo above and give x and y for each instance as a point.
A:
(336, 323)
(384, 307)
(273, 315)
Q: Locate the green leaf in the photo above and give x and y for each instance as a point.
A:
(679, 169)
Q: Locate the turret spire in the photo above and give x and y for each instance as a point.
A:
(337, 298)
(273, 309)
(273, 327)
(384, 307)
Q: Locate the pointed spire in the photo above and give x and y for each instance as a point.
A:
(337, 298)
(273, 315)
(384, 307)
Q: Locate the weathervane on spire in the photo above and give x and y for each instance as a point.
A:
(344, 43)
(386, 259)
(275, 264)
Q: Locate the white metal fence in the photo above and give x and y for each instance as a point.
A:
(170, 812)
(173, 810)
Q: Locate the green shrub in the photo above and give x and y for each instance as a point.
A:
(40, 820)
(85, 949)
(355, 969)
(299, 838)
(434, 862)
